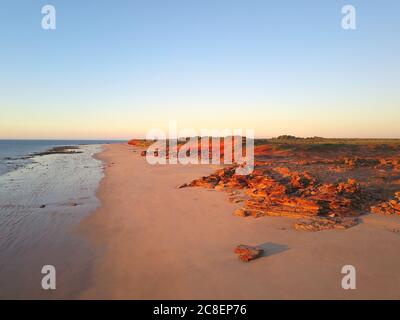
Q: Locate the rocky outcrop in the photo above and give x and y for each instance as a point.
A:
(360, 162)
(389, 163)
(139, 143)
(325, 223)
(388, 208)
(282, 192)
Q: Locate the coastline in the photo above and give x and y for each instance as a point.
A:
(16, 154)
(160, 242)
(41, 206)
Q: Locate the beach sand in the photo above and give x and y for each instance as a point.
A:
(160, 242)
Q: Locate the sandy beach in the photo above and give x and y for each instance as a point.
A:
(160, 242)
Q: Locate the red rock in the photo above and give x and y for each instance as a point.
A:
(247, 253)
(389, 207)
(325, 223)
(360, 162)
(292, 194)
(351, 186)
(241, 212)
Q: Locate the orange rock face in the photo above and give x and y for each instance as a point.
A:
(286, 193)
(138, 143)
(390, 207)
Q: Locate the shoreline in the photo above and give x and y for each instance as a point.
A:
(41, 206)
(160, 242)
(17, 154)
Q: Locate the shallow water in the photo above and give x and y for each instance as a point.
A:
(41, 205)
(16, 153)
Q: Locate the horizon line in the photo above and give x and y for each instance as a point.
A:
(144, 138)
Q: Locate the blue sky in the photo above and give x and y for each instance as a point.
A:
(115, 69)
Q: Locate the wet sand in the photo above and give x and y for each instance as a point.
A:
(160, 242)
(41, 205)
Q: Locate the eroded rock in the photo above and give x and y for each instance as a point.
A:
(360, 162)
(388, 208)
(247, 253)
(281, 192)
(325, 223)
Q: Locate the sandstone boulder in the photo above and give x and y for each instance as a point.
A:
(247, 253)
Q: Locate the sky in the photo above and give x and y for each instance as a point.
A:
(116, 69)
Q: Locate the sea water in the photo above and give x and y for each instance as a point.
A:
(17, 153)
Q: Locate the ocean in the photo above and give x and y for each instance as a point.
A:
(17, 153)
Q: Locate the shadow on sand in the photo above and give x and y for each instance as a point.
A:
(271, 248)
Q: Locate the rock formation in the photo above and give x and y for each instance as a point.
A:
(390, 207)
(324, 223)
(281, 192)
(247, 253)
